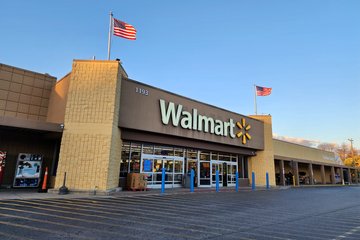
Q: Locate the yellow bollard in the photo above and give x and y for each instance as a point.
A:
(293, 180)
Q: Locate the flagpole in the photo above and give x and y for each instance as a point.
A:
(255, 105)
(110, 30)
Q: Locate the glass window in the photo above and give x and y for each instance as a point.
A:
(224, 157)
(163, 150)
(135, 158)
(234, 158)
(157, 165)
(178, 166)
(191, 164)
(191, 154)
(179, 152)
(214, 156)
(124, 163)
(168, 165)
(148, 149)
(205, 156)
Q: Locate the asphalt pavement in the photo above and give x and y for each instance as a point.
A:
(296, 213)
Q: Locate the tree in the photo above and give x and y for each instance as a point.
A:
(331, 147)
(352, 161)
(343, 151)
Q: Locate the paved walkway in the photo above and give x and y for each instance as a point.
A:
(34, 194)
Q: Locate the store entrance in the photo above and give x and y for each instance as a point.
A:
(217, 166)
(204, 174)
(152, 166)
(231, 168)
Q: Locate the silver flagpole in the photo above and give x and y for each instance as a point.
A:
(110, 31)
(255, 100)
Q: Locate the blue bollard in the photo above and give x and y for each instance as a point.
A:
(267, 181)
(192, 180)
(237, 181)
(217, 180)
(253, 187)
(163, 180)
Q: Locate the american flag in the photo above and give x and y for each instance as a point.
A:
(122, 29)
(263, 91)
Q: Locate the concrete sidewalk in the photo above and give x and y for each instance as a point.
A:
(34, 194)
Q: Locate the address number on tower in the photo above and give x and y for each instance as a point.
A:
(142, 91)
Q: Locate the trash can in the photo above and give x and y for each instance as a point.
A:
(187, 179)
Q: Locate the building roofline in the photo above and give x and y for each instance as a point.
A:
(26, 70)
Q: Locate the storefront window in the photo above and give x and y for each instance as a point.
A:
(178, 166)
(135, 158)
(168, 165)
(179, 152)
(205, 156)
(124, 163)
(234, 158)
(150, 159)
(224, 157)
(164, 151)
(214, 156)
(192, 154)
(148, 149)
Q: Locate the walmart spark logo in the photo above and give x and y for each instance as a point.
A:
(244, 128)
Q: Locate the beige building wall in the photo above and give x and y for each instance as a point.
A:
(292, 151)
(91, 143)
(264, 160)
(57, 101)
(24, 94)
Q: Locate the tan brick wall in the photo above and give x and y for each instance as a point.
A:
(24, 94)
(91, 144)
(57, 101)
(264, 160)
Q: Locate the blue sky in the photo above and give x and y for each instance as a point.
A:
(213, 51)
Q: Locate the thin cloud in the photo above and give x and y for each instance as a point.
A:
(301, 141)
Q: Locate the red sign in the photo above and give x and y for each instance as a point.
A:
(2, 165)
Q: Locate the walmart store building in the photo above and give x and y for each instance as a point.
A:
(97, 125)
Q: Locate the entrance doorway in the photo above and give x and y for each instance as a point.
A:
(231, 173)
(207, 173)
(152, 166)
(217, 166)
(204, 174)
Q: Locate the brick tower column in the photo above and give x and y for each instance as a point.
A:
(91, 144)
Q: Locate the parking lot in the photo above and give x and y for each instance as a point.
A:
(302, 213)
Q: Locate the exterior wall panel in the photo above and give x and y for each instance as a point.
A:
(22, 93)
(143, 112)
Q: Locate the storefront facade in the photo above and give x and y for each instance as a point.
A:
(97, 126)
(173, 132)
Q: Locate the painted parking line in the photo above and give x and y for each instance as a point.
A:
(13, 236)
(349, 233)
(39, 229)
(109, 215)
(137, 214)
(79, 218)
(47, 221)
